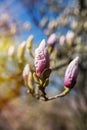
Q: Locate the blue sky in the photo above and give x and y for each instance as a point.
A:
(21, 14)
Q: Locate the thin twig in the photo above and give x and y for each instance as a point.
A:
(65, 92)
(61, 65)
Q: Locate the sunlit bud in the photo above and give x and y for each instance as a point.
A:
(52, 24)
(71, 73)
(70, 37)
(74, 25)
(43, 22)
(62, 40)
(52, 40)
(29, 45)
(11, 51)
(30, 82)
(20, 51)
(41, 58)
(28, 78)
(29, 42)
(25, 73)
(64, 21)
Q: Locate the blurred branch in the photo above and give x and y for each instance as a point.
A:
(64, 63)
(62, 94)
(83, 4)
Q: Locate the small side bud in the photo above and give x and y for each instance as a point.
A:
(28, 78)
(62, 40)
(20, 51)
(26, 73)
(52, 40)
(29, 42)
(70, 38)
(30, 83)
(11, 52)
(29, 45)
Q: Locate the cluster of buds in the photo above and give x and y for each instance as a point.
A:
(67, 39)
(38, 79)
(39, 76)
(52, 40)
(18, 53)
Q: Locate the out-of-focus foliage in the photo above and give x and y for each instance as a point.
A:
(18, 109)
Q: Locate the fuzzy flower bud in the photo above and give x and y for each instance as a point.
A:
(52, 40)
(20, 51)
(70, 37)
(62, 40)
(26, 73)
(29, 42)
(28, 78)
(71, 73)
(11, 51)
(41, 58)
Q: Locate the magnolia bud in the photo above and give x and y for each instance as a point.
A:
(43, 22)
(62, 40)
(29, 42)
(20, 52)
(30, 82)
(52, 25)
(52, 40)
(71, 73)
(28, 78)
(25, 73)
(11, 51)
(70, 37)
(74, 25)
(41, 58)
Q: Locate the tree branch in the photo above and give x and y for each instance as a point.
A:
(61, 65)
(62, 94)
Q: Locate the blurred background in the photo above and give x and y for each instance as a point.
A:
(20, 19)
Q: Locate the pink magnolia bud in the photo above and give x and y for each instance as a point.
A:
(52, 39)
(71, 73)
(41, 58)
